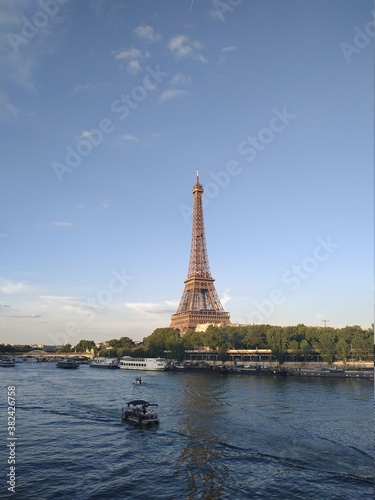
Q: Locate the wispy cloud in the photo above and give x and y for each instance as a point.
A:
(169, 95)
(132, 58)
(181, 47)
(132, 53)
(14, 287)
(230, 48)
(28, 316)
(82, 87)
(167, 307)
(147, 33)
(217, 12)
(180, 79)
(7, 109)
(225, 51)
(85, 134)
(66, 303)
(128, 138)
(21, 54)
(226, 297)
(61, 223)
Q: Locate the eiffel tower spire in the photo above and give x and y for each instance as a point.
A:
(200, 302)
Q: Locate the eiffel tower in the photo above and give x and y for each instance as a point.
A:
(200, 302)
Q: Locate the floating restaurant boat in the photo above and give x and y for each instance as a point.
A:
(103, 362)
(67, 363)
(331, 372)
(261, 370)
(7, 362)
(152, 364)
(140, 412)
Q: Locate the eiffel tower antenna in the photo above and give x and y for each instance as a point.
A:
(200, 303)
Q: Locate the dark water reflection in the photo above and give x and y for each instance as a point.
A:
(201, 463)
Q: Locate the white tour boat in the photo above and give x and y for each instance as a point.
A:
(103, 362)
(153, 364)
(7, 362)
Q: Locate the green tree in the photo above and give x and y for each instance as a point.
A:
(293, 346)
(65, 348)
(342, 350)
(362, 346)
(236, 337)
(327, 346)
(215, 338)
(159, 341)
(193, 340)
(276, 342)
(306, 349)
(108, 353)
(84, 345)
(256, 336)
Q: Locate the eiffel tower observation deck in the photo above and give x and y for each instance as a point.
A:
(200, 303)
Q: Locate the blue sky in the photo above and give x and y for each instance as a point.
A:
(107, 108)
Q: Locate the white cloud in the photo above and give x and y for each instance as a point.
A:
(231, 48)
(181, 47)
(14, 287)
(61, 223)
(132, 57)
(129, 138)
(169, 95)
(20, 55)
(147, 33)
(226, 298)
(167, 307)
(85, 134)
(218, 15)
(134, 67)
(7, 109)
(132, 53)
(180, 79)
(29, 316)
(225, 51)
(81, 87)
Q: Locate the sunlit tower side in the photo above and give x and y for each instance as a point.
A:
(200, 303)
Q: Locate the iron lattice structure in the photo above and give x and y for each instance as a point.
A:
(200, 302)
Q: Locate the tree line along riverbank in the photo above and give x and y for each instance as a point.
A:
(298, 343)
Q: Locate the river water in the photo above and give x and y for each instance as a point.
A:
(219, 437)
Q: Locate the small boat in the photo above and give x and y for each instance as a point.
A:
(7, 362)
(140, 412)
(137, 380)
(67, 363)
(103, 362)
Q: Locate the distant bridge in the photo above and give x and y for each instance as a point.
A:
(48, 355)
